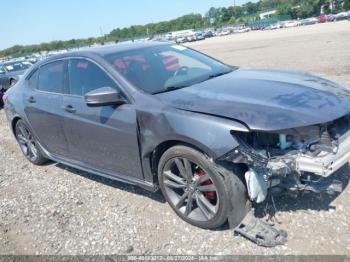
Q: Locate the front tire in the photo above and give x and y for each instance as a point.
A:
(28, 144)
(198, 190)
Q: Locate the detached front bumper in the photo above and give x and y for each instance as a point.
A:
(291, 171)
(326, 164)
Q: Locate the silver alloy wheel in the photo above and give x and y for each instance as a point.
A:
(26, 142)
(190, 189)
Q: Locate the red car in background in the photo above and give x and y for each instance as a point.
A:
(323, 18)
(326, 18)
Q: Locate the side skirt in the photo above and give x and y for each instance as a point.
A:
(113, 176)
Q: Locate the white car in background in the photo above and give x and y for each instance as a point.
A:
(275, 26)
(190, 38)
(180, 39)
(225, 32)
(289, 24)
(243, 29)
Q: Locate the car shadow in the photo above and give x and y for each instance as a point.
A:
(305, 201)
(157, 196)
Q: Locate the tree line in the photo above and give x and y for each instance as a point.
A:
(215, 17)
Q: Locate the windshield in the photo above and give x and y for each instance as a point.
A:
(165, 68)
(17, 66)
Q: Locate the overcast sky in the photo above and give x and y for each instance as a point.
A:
(36, 21)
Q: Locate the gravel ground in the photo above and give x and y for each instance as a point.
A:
(58, 210)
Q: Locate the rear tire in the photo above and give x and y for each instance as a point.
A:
(217, 192)
(28, 144)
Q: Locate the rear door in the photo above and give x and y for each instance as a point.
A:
(104, 138)
(43, 106)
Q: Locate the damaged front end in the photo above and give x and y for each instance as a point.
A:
(293, 160)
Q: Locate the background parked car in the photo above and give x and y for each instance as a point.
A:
(310, 21)
(292, 23)
(208, 34)
(181, 39)
(273, 26)
(243, 29)
(342, 16)
(224, 32)
(10, 73)
(257, 27)
(191, 38)
(330, 18)
(199, 36)
(323, 18)
(1, 101)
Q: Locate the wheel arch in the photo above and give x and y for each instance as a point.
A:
(13, 124)
(159, 150)
(150, 159)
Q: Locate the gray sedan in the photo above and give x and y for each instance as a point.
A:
(212, 137)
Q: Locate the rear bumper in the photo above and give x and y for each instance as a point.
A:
(328, 163)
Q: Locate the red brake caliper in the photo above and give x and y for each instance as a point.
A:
(210, 194)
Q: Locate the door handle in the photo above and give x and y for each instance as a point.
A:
(70, 109)
(31, 100)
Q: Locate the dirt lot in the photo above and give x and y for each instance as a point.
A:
(57, 210)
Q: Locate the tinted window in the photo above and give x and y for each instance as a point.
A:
(165, 67)
(51, 77)
(33, 80)
(85, 76)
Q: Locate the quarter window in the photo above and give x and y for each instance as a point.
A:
(33, 80)
(51, 77)
(85, 76)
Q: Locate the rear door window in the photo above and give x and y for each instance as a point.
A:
(86, 76)
(52, 77)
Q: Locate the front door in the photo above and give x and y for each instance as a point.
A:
(104, 138)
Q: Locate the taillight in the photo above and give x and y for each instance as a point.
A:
(5, 99)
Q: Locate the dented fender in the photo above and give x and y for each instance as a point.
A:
(210, 134)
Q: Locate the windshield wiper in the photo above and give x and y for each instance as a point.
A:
(170, 88)
(218, 74)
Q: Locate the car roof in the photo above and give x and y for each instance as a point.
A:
(110, 49)
(126, 46)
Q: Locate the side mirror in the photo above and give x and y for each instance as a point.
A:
(104, 96)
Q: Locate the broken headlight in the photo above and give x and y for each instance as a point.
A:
(299, 138)
(270, 144)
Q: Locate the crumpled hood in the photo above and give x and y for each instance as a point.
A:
(265, 99)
